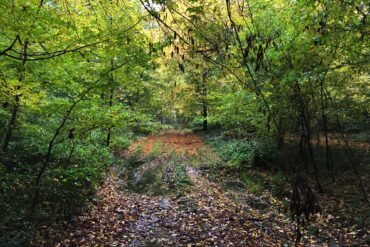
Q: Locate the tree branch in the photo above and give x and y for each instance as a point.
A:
(11, 46)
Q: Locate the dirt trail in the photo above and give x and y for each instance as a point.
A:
(202, 214)
(186, 143)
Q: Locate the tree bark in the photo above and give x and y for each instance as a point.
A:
(13, 119)
(204, 102)
(110, 104)
(110, 128)
(11, 125)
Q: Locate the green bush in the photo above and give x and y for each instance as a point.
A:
(241, 152)
(197, 123)
(66, 191)
(66, 187)
(15, 195)
(120, 142)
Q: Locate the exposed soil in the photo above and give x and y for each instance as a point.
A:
(179, 143)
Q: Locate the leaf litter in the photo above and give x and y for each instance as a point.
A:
(201, 214)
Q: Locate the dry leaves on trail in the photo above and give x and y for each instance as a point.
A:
(204, 214)
(203, 217)
(168, 142)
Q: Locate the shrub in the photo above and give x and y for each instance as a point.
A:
(241, 152)
(66, 191)
(66, 187)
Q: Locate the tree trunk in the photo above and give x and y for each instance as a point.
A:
(13, 118)
(204, 102)
(205, 115)
(110, 128)
(109, 132)
(329, 163)
(11, 125)
(279, 138)
(307, 136)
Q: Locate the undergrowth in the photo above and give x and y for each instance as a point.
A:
(67, 186)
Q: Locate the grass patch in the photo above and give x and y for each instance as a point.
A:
(251, 183)
(156, 150)
(176, 170)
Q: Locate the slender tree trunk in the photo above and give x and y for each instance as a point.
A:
(11, 125)
(52, 141)
(50, 149)
(13, 118)
(108, 137)
(204, 102)
(47, 158)
(161, 115)
(302, 148)
(313, 162)
(329, 163)
(354, 165)
(349, 151)
(72, 151)
(109, 131)
(205, 115)
(307, 136)
(279, 139)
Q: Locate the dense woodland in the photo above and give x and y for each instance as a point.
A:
(260, 104)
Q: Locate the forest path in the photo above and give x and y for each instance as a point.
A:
(185, 209)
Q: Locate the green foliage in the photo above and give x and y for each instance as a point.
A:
(236, 113)
(65, 192)
(257, 181)
(73, 94)
(120, 141)
(238, 153)
(177, 172)
(252, 185)
(79, 80)
(156, 149)
(197, 123)
(138, 151)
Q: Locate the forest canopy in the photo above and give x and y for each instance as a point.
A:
(276, 87)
